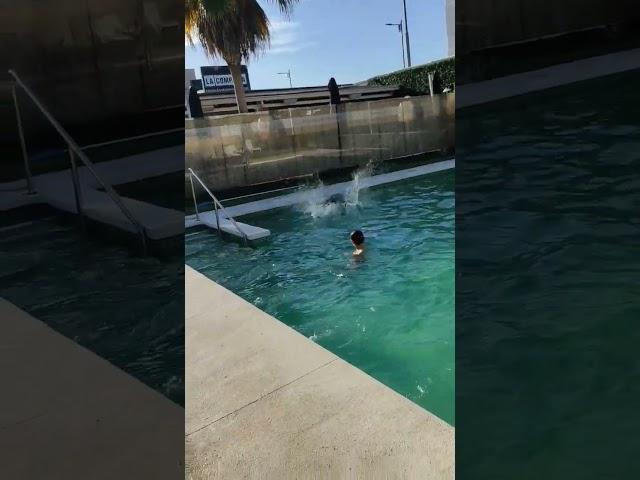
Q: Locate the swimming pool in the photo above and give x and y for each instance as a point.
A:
(548, 202)
(391, 315)
(127, 309)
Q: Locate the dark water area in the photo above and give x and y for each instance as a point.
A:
(126, 308)
(547, 284)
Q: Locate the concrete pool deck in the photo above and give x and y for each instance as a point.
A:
(67, 413)
(263, 401)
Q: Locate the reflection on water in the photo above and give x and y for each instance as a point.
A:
(548, 198)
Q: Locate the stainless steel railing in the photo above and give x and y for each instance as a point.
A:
(216, 205)
(74, 151)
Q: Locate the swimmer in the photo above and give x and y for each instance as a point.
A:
(337, 199)
(340, 200)
(357, 239)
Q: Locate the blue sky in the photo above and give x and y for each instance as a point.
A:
(345, 39)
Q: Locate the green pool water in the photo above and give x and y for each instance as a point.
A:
(391, 314)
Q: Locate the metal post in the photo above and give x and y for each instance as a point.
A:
(77, 192)
(193, 192)
(293, 133)
(23, 145)
(406, 32)
(399, 25)
(288, 75)
(143, 238)
(215, 207)
(404, 63)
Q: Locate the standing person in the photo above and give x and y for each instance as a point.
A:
(334, 92)
(195, 107)
(334, 101)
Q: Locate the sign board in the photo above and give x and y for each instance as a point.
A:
(219, 78)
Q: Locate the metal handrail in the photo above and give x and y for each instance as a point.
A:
(74, 148)
(216, 203)
(136, 137)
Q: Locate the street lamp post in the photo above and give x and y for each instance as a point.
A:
(406, 32)
(399, 25)
(288, 75)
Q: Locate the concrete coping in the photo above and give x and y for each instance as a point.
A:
(263, 401)
(67, 413)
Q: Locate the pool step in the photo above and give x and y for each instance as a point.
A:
(227, 226)
(56, 190)
(159, 222)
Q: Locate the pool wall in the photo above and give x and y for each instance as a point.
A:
(263, 399)
(247, 149)
(487, 91)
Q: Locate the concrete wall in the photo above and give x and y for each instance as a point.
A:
(90, 60)
(240, 150)
(483, 24)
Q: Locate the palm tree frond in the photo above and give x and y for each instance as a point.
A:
(240, 30)
(285, 6)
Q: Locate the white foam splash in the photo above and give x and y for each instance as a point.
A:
(317, 206)
(353, 190)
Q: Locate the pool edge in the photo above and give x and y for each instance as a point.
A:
(64, 398)
(261, 397)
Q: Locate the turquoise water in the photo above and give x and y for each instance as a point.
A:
(391, 315)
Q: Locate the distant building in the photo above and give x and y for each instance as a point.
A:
(450, 7)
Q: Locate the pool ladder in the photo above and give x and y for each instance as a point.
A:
(74, 151)
(216, 206)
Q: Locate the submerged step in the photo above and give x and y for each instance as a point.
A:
(227, 226)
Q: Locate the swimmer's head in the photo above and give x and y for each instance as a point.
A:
(357, 238)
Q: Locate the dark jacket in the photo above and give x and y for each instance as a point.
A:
(334, 92)
(194, 103)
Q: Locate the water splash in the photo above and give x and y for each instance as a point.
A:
(317, 206)
(352, 194)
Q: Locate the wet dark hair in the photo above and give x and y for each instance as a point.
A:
(357, 237)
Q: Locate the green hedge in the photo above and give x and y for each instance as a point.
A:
(415, 80)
